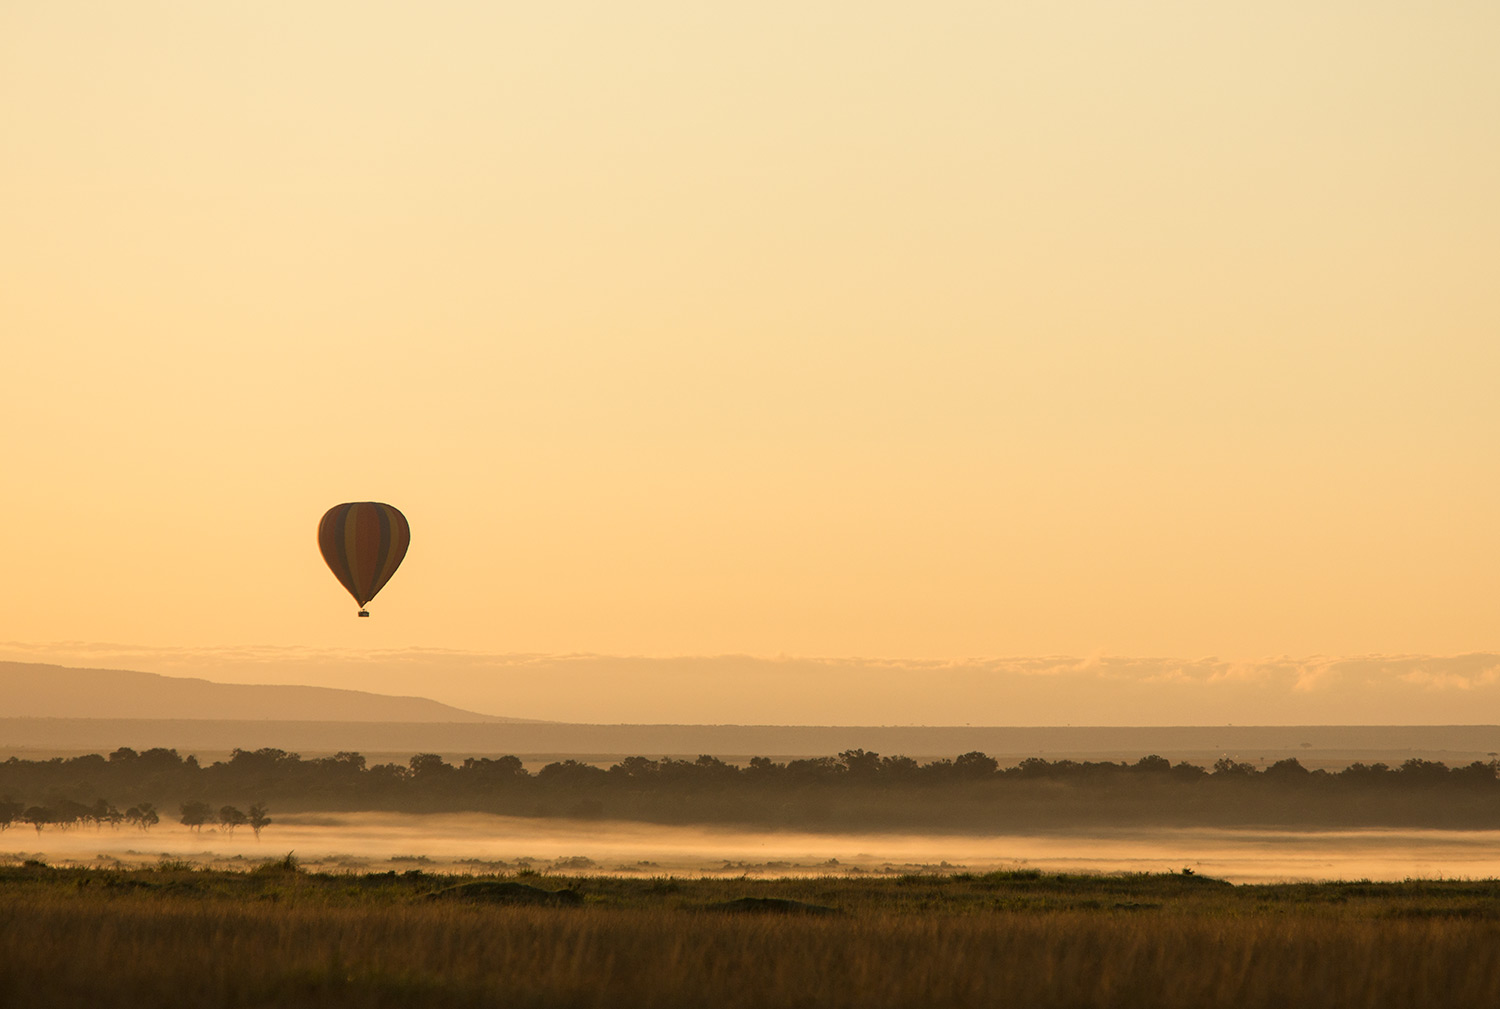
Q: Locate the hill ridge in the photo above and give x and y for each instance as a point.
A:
(45, 690)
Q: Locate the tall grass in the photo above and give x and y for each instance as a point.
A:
(66, 946)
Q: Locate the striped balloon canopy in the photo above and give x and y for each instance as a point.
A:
(363, 543)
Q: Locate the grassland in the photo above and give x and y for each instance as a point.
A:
(174, 935)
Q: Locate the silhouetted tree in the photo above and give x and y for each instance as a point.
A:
(429, 767)
(67, 813)
(1034, 767)
(860, 763)
(230, 818)
(143, 816)
(975, 765)
(386, 776)
(105, 812)
(160, 758)
(493, 771)
(763, 767)
(815, 768)
(571, 772)
(1364, 773)
(343, 763)
(1479, 774)
(258, 819)
(1289, 769)
(710, 768)
(639, 768)
(195, 814)
(1417, 770)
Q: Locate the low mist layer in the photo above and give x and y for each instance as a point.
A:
(481, 843)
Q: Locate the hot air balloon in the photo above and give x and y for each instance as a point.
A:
(363, 543)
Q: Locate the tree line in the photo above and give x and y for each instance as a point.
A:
(65, 814)
(856, 788)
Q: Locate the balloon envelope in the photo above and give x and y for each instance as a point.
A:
(363, 543)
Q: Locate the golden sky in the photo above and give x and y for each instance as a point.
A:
(820, 329)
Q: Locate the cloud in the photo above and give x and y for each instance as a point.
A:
(1449, 679)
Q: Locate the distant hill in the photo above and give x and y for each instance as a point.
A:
(36, 690)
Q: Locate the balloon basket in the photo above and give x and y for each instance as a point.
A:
(364, 613)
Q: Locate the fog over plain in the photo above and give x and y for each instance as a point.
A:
(482, 843)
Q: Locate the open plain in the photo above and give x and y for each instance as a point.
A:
(278, 935)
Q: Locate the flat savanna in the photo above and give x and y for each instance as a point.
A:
(174, 935)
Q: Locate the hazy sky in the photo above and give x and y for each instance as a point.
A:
(820, 329)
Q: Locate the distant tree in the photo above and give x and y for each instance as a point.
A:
(350, 759)
(68, 813)
(105, 812)
(429, 767)
(160, 758)
(860, 763)
(1418, 770)
(143, 816)
(258, 819)
(496, 769)
(345, 761)
(264, 761)
(634, 767)
(763, 767)
(384, 777)
(230, 818)
(1364, 774)
(1288, 769)
(941, 769)
(38, 817)
(1233, 769)
(86, 764)
(571, 772)
(9, 811)
(1034, 767)
(195, 814)
(1476, 774)
(815, 768)
(975, 764)
(1153, 764)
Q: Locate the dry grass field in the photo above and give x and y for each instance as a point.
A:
(176, 936)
